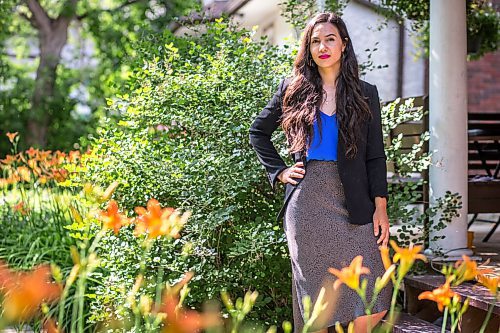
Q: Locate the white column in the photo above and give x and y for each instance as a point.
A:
(448, 116)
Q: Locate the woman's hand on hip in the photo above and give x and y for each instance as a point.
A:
(295, 171)
(381, 223)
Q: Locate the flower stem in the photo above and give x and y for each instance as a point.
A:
(393, 301)
(488, 315)
(445, 317)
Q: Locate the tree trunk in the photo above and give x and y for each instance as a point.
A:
(51, 44)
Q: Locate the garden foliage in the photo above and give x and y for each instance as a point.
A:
(407, 181)
(183, 138)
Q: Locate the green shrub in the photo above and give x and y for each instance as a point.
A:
(183, 139)
(405, 186)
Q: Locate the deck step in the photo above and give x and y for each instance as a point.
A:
(480, 300)
(479, 296)
(407, 323)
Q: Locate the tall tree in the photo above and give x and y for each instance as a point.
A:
(111, 25)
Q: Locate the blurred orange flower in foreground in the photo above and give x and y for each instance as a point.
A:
(25, 292)
(468, 270)
(159, 221)
(386, 259)
(350, 275)
(406, 256)
(49, 326)
(179, 320)
(442, 295)
(112, 219)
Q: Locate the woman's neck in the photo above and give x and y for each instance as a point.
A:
(329, 76)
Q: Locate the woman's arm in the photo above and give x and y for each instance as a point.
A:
(375, 154)
(260, 136)
(377, 171)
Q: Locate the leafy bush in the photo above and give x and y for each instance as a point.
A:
(405, 192)
(183, 139)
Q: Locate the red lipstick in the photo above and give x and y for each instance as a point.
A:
(324, 56)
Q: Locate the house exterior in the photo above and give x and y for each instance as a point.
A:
(402, 75)
(405, 74)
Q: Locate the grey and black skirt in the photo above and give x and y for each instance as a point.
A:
(319, 236)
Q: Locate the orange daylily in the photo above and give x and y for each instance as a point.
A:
(34, 166)
(467, 270)
(492, 283)
(406, 256)
(43, 165)
(386, 260)
(24, 173)
(21, 208)
(50, 326)
(442, 295)
(12, 136)
(25, 292)
(4, 182)
(9, 159)
(179, 320)
(32, 152)
(59, 175)
(159, 221)
(74, 156)
(350, 275)
(112, 219)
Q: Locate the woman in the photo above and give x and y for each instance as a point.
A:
(335, 198)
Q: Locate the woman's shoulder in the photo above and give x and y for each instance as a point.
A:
(284, 84)
(367, 88)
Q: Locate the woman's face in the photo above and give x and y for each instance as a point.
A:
(326, 45)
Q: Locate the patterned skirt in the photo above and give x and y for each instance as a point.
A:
(319, 236)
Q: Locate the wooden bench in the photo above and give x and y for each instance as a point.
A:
(479, 301)
(484, 167)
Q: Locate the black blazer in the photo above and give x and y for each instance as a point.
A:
(363, 177)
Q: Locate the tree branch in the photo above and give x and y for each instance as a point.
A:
(123, 5)
(40, 16)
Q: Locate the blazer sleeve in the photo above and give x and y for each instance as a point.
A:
(260, 136)
(375, 154)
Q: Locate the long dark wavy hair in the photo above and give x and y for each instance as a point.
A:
(305, 93)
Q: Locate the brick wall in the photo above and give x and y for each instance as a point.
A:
(483, 81)
(483, 84)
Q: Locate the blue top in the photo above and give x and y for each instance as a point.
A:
(324, 148)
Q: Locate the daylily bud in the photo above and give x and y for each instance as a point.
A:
(380, 283)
